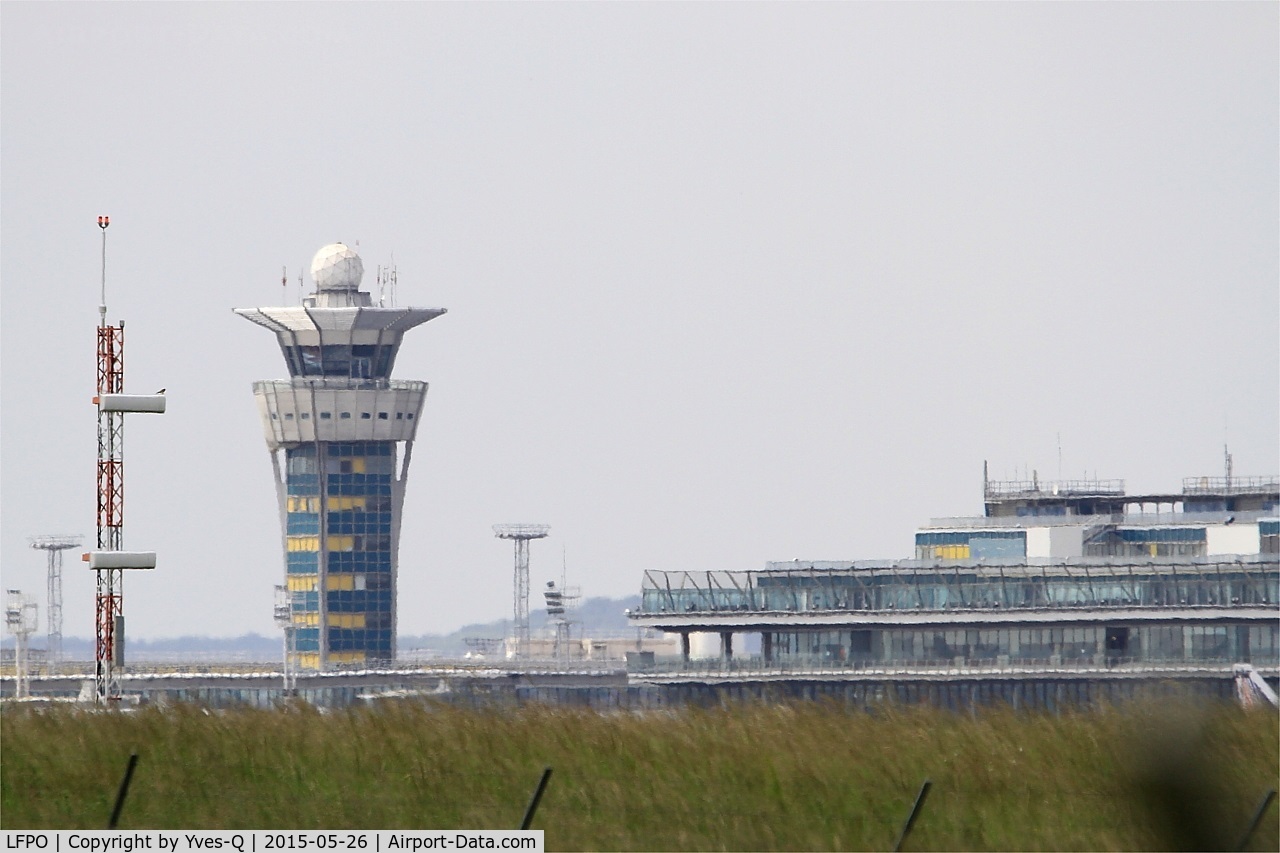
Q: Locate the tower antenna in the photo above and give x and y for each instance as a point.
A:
(392, 277)
(109, 560)
(103, 223)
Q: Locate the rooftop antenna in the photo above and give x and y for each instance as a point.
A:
(521, 534)
(382, 296)
(1059, 454)
(284, 282)
(1226, 458)
(53, 546)
(300, 285)
(392, 278)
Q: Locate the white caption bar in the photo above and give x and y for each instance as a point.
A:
(268, 841)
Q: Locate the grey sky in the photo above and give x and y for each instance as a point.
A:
(726, 283)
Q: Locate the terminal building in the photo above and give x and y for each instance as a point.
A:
(1054, 578)
(340, 432)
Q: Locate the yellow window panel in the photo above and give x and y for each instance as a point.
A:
(303, 543)
(346, 657)
(346, 620)
(357, 465)
(341, 582)
(342, 543)
(302, 583)
(309, 661)
(306, 618)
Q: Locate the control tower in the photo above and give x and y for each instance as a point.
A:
(340, 432)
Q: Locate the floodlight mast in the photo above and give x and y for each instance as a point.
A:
(521, 534)
(54, 546)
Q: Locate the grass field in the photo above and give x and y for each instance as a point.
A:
(753, 777)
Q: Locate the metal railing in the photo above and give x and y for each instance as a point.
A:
(1021, 521)
(1063, 488)
(746, 667)
(1229, 485)
(337, 384)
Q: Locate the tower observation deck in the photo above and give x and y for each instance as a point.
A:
(340, 433)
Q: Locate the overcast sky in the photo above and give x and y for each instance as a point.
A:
(726, 283)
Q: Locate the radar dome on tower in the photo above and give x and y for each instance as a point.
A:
(337, 267)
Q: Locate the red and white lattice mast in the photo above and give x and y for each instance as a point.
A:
(110, 559)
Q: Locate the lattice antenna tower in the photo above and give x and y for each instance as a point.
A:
(521, 534)
(109, 561)
(53, 546)
(20, 620)
(562, 601)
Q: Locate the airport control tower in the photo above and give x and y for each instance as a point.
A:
(340, 432)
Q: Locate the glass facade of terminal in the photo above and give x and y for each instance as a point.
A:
(1250, 580)
(339, 518)
(1129, 642)
(1087, 611)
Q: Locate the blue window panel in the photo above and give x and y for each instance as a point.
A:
(1164, 534)
(1269, 527)
(299, 524)
(942, 538)
(307, 639)
(984, 547)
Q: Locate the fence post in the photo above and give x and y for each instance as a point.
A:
(537, 795)
(124, 791)
(1257, 819)
(915, 812)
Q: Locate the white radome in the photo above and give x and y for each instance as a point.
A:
(337, 267)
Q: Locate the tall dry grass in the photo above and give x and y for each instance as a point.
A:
(752, 777)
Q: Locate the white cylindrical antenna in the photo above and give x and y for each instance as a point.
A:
(103, 222)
